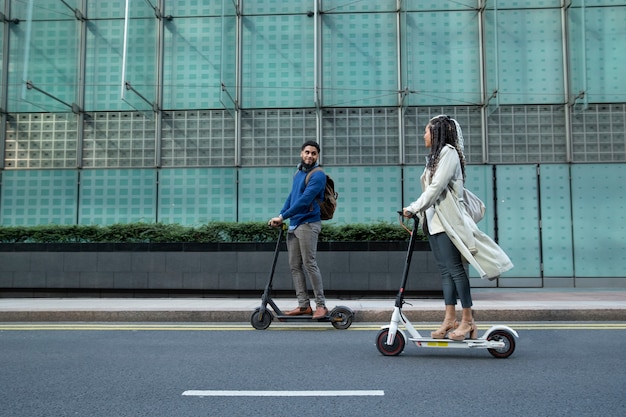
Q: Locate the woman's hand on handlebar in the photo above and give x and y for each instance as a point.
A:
(408, 214)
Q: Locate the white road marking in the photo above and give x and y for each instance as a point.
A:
(218, 393)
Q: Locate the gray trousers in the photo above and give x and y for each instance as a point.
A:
(302, 249)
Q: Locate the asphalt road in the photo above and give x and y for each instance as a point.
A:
(194, 370)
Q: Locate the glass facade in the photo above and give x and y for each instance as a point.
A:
(189, 112)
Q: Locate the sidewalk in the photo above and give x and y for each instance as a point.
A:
(491, 305)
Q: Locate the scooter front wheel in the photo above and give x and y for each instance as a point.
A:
(260, 322)
(390, 350)
(341, 317)
(509, 343)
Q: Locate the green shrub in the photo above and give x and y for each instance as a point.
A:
(217, 232)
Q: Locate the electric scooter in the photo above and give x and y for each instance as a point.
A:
(390, 341)
(340, 317)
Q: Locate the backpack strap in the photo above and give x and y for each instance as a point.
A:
(308, 176)
(306, 182)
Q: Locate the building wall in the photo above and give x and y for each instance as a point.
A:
(193, 113)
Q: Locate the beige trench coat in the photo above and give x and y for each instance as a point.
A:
(443, 196)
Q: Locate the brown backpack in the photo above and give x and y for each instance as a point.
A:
(329, 204)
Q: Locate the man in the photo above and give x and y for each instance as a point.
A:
(305, 224)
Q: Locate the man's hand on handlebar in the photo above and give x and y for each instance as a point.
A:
(275, 221)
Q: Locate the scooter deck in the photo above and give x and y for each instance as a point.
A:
(303, 317)
(449, 343)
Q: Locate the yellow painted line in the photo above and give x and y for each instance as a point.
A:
(283, 327)
(121, 327)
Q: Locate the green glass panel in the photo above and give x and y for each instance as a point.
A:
(599, 216)
(433, 5)
(526, 4)
(518, 218)
(367, 194)
(186, 8)
(115, 9)
(43, 70)
(360, 60)
(196, 196)
(262, 192)
(25, 10)
(592, 3)
(1, 60)
(556, 221)
(597, 43)
(228, 57)
(110, 196)
(524, 56)
(342, 6)
(443, 58)
(139, 77)
(103, 73)
(278, 62)
(191, 72)
(274, 7)
(38, 197)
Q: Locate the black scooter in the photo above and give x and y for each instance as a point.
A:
(340, 317)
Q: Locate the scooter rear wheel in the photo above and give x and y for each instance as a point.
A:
(260, 322)
(390, 350)
(341, 317)
(509, 344)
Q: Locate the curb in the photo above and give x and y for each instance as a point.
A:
(512, 315)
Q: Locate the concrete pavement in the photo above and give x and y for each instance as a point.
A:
(490, 305)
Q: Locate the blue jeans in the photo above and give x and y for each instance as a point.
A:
(302, 249)
(454, 280)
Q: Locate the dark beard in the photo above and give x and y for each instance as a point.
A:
(306, 167)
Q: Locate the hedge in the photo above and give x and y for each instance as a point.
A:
(215, 232)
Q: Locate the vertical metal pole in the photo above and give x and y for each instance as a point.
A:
(4, 89)
(566, 80)
(124, 54)
(483, 79)
(82, 69)
(238, 75)
(160, 44)
(402, 92)
(238, 95)
(317, 73)
(80, 125)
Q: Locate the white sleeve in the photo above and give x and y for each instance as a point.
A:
(446, 170)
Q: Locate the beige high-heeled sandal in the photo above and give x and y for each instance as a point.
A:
(460, 333)
(443, 330)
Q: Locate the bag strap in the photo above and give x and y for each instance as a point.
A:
(308, 176)
(306, 182)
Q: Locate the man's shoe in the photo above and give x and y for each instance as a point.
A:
(299, 311)
(320, 313)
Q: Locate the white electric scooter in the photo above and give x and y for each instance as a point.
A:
(390, 341)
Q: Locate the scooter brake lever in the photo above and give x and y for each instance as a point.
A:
(406, 302)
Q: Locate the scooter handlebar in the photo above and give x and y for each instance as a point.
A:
(412, 216)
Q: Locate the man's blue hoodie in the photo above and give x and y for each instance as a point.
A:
(301, 205)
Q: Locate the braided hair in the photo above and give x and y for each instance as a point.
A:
(444, 131)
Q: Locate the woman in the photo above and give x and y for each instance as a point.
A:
(452, 233)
